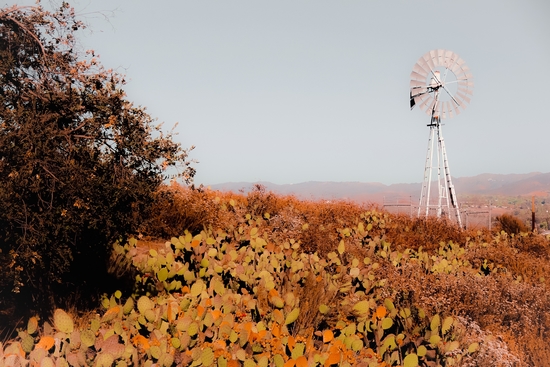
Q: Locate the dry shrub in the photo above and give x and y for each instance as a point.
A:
(324, 220)
(493, 350)
(510, 224)
(532, 244)
(315, 224)
(311, 295)
(258, 202)
(178, 208)
(496, 303)
(428, 233)
(522, 257)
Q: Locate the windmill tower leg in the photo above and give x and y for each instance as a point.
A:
(451, 194)
(440, 192)
(426, 185)
(443, 204)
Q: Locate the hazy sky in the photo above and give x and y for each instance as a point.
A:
(294, 91)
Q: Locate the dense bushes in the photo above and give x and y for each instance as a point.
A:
(79, 164)
(244, 290)
(494, 281)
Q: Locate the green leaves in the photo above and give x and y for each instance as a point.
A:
(447, 323)
(472, 348)
(387, 323)
(362, 307)
(434, 324)
(292, 316)
(162, 274)
(341, 247)
(410, 360)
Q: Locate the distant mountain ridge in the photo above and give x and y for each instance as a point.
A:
(534, 183)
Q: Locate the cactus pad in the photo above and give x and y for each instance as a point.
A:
(128, 306)
(47, 362)
(87, 338)
(46, 342)
(63, 321)
(27, 342)
(144, 303)
(32, 325)
(104, 360)
(207, 357)
(292, 316)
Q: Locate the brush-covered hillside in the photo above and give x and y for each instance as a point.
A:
(266, 280)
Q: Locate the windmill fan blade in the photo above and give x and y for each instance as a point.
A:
(417, 68)
(440, 57)
(451, 115)
(443, 110)
(431, 59)
(457, 66)
(463, 96)
(426, 105)
(466, 88)
(419, 99)
(466, 83)
(459, 101)
(449, 59)
(417, 84)
(464, 73)
(436, 58)
(468, 91)
(419, 77)
(424, 63)
(455, 102)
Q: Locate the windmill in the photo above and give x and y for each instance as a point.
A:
(441, 85)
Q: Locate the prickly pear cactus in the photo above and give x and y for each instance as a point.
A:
(243, 297)
(63, 321)
(32, 325)
(27, 342)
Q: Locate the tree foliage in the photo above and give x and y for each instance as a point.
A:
(79, 163)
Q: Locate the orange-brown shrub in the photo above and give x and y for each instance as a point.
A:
(510, 224)
(429, 233)
(178, 208)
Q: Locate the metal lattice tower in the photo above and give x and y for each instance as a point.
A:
(441, 84)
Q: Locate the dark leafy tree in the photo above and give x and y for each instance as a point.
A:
(79, 164)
